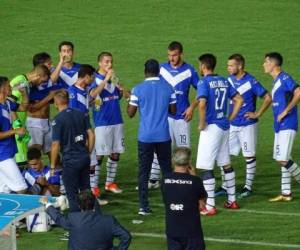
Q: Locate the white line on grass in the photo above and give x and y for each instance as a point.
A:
(242, 210)
(233, 241)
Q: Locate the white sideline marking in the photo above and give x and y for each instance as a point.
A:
(234, 241)
(242, 210)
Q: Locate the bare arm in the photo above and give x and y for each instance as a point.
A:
(238, 102)
(25, 101)
(91, 140)
(131, 110)
(55, 74)
(96, 91)
(202, 113)
(292, 104)
(33, 107)
(12, 132)
(188, 113)
(265, 105)
(55, 147)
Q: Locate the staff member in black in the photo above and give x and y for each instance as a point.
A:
(89, 229)
(73, 137)
(183, 194)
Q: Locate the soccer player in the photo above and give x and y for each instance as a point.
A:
(285, 97)
(243, 129)
(38, 75)
(38, 176)
(155, 100)
(213, 93)
(73, 137)
(107, 119)
(10, 177)
(182, 76)
(40, 97)
(183, 194)
(69, 71)
(79, 99)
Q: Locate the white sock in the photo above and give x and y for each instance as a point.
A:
(250, 172)
(92, 178)
(62, 186)
(285, 181)
(294, 169)
(229, 177)
(209, 186)
(155, 169)
(111, 167)
(223, 178)
(97, 175)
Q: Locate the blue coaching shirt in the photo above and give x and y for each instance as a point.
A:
(153, 97)
(282, 93)
(216, 90)
(67, 77)
(78, 99)
(8, 147)
(109, 113)
(249, 88)
(181, 79)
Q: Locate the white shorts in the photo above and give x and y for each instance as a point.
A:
(109, 139)
(179, 132)
(245, 138)
(283, 144)
(11, 178)
(93, 157)
(40, 132)
(213, 146)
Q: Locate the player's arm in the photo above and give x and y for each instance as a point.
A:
(9, 133)
(55, 74)
(131, 110)
(25, 100)
(202, 113)
(133, 104)
(96, 91)
(172, 108)
(267, 99)
(295, 100)
(58, 218)
(91, 139)
(188, 113)
(237, 104)
(33, 107)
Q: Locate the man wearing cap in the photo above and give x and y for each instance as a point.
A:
(183, 194)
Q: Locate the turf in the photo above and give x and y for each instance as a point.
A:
(137, 30)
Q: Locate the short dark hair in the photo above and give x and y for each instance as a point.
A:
(103, 54)
(62, 95)
(40, 58)
(67, 43)
(3, 80)
(33, 153)
(238, 58)
(175, 46)
(209, 60)
(152, 67)
(85, 69)
(86, 200)
(276, 57)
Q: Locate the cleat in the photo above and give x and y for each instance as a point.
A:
(245, 192)
(281, 197)
(208, 212)
(231, 205)
(153, 184)
(96, 191)
(113, 187)
(102, 202)
(220, 192)
(145, 212)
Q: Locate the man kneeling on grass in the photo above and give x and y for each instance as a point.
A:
(89, 228)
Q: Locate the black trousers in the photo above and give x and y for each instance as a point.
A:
(184, 243)
(76, 176)
(145, 156)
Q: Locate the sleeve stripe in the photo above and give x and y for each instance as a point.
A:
(133, 104)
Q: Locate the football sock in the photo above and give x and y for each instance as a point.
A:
(155, 169)
(97, 175)
(294, 169)
(285, 181)
(92, 178)
(111, 167)
(223, 179)
(209, 184)
(250, 172)
(229, 177)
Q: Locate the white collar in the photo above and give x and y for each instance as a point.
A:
(152, 78)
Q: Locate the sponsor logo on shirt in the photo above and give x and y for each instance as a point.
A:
(176, 207)
(180, 182)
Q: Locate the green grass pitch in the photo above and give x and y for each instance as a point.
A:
(137, 30)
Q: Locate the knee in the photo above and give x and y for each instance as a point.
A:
(114, 157)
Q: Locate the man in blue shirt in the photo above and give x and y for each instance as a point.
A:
(213, 94)
(69, 71)
(73, 137)
(108, 119)
(10, 177)
(182, 76)
(243, 129)
(155, 100)
(285, 97)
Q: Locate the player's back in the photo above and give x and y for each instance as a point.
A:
(78, 99)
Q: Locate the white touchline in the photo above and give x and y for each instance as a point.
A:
(233, 241)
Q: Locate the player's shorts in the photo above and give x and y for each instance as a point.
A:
(11, 178)
(109, 139)
(283, 144)
(179, 132)
(40, 132)
(213, 146)
(93, 157)
(245, 138)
